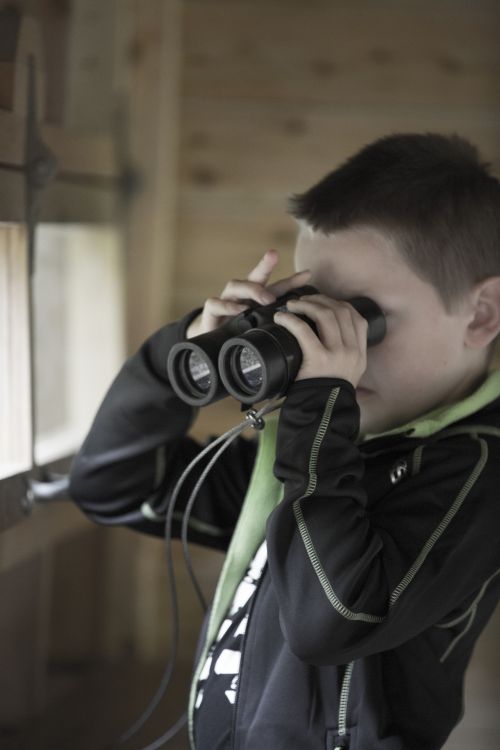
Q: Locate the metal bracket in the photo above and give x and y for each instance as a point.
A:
(38, 492)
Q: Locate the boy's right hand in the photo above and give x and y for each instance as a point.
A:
(217, 310)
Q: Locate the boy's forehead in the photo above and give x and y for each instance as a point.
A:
(357, 259)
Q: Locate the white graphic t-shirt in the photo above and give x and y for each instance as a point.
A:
(218, 681)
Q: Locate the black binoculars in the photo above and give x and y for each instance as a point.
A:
(250, 357)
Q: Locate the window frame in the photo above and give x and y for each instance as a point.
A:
(86, 189)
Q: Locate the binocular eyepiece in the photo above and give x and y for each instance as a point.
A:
(250, 357)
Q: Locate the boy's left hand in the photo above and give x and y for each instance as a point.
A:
(339, 348)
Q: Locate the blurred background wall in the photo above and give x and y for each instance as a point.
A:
(179, 128)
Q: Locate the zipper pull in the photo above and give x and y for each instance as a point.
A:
(341, 742)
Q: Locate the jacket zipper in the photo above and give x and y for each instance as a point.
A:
(342, 741)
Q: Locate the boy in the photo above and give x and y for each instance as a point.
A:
(359, 576)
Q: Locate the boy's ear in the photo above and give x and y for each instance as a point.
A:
(485, 323)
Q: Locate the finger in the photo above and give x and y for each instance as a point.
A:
(353, 326)
(221, 307)
(308, 341)
(262, 271)
(323, 299)
(216, 311)
(359, 327)
(324, 317)
(239, 289)
(291, 282)
(320, 360)
(347, 325)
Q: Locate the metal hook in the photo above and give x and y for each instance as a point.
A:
(256, 421)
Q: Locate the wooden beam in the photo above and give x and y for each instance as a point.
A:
(153, 61)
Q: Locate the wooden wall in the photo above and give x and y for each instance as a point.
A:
(275, 94)
(231, 105)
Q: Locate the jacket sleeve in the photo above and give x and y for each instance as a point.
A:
(137, 448)
(353, 580)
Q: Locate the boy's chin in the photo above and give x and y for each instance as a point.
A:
(374, 421)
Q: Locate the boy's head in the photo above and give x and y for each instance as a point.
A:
(412, 221)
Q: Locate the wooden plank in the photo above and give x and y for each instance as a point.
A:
(11, 138)
(12, 197)
(89, 94)
(76, 153)
(12, 492)
(19, 42)
(72, 202)
(23, 592)
(75, 619)
(54, 19)
(81, 153)
(44, 562)
(95, 705)
(118, 602)
(10, 22)
(342, 54)
(225, 151)
(47, 526)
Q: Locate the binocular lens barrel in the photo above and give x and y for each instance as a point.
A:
(193, 374)
(260, 364)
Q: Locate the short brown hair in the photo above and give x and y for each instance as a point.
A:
(430, 192)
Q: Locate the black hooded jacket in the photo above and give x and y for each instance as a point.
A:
(383, 554)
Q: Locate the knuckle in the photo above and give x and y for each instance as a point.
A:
(232, 284)
(344, 310)
(328, 315)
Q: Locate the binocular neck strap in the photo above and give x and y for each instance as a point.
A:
(263, 495)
